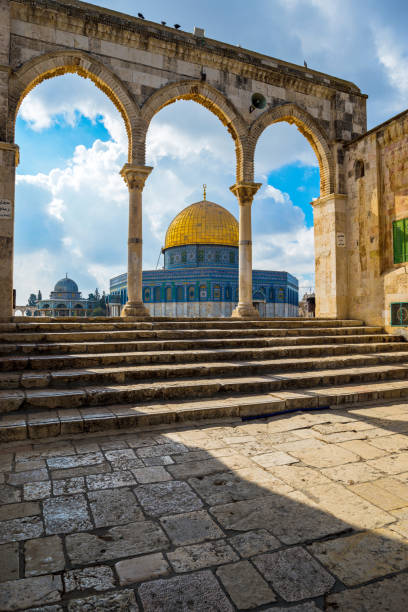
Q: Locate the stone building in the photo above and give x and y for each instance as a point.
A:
(200, 274)
(65, 301)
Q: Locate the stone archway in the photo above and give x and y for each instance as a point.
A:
(51, 65)
(210, 98)
(293, 114)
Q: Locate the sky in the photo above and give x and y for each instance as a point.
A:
(71, 203)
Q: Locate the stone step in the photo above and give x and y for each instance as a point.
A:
(19, 337)
(48, 423)
(69, 378)
(188, 345)
(296, 353)
(42, 324)
(192, 388)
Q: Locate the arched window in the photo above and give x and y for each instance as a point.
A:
(191, 293)
(217, 292)
(271, 294)
(203, 292)
(180, 293)
(169, 294)
(358, 169)
(157, 294)
(227, 293)
(146, 294)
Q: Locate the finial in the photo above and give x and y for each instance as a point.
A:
(204, 192)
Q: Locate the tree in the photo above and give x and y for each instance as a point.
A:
(98, 312)
(32, 300)
(39, 295)
(97, 295)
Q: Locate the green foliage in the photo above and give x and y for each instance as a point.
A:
(32, 300)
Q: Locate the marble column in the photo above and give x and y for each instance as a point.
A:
(245, 193)
(8, 163)
(135, 178)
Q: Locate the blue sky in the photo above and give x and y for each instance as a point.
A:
(71, 204)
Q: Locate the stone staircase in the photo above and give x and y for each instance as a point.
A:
(67, 376)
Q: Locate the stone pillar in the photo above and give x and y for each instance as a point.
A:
(245, 194)
(135, 178)
(8, 164)
(330, 240)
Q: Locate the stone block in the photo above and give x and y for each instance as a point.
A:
(245, 585)
(191, 527)
(167, 498)
(140, 569)
(20, 594)
(66, 514)
(114, 507)
(43, 556)
(98, 578)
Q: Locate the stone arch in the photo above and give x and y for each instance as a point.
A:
(308, 126)
(210, 98)
(50, 65)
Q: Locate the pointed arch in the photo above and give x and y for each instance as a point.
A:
(50, 65)
(210, 98)
(308, 126)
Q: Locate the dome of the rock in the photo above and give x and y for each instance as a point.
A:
(66, 285)
(203, 223)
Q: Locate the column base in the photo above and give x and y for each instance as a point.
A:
(134, 309)
(245, 311)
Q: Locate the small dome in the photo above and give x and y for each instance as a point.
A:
(66, 285)
(203, 223)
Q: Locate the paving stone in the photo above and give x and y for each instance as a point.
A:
(66, 514)
(363, 449)
(161, 449)
(308, 606)
(233, 486)
(391, 464)
(199, 591)
(110, 481)
(390, 595)
(363, 556)
(300, 477)
(350, 473)
(37, 490)
(208, 466)
(9, 494)
(34, 464)
(151, 474)
(69, 486)
(379, 496)
(162, 460)
(118, 542)
(45, 609)
(294, 574)
(21, 529)
(21, 478)
(114, 507)
(280, 515)
(391, 444)
(9, 562)
(12, 511)
(400, 527)
(123, 459)
(86, 470)
(254, 542)
(191, 527)
(99, 578)
(73, 461)
(43, 556)
(171, 497)
(276, 458)
(20, 594)
(118, 601)
(85, 447)
(245, 585)
(139, 569)
(326, 456)
(199, 556)
(345, 505)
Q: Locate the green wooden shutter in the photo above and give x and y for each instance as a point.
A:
(405, 239)
(399, 239)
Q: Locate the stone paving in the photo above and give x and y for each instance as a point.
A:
(302, 512)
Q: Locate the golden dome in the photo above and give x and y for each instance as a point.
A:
(203, 223)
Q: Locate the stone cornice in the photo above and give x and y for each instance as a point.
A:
(8, 146)
(328, 198)
(93, 21)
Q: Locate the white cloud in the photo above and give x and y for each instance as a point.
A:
(393, 55)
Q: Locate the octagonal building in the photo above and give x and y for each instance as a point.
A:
(200, 274)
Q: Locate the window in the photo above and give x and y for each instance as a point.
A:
(200, 255)
(172, 258)
(203, 292)
(232, 257)
(217, 292)
(184, 256)
(157, 296)
(227, 293)
(217, 256)
(281, 294)
(359, 169)
(169, 296)
(146, 294)
(191, 294)
(400, 240)
(271, 294)
(180, 293)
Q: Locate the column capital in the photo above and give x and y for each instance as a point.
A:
(10, 146)
(135, 176)
(245, 192)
